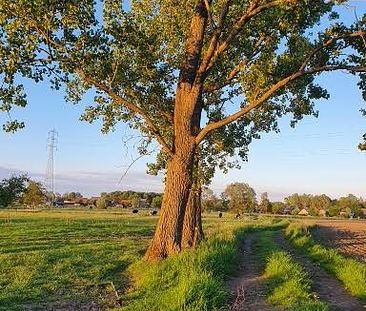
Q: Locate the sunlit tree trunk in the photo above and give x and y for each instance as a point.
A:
(168, 235)
(187, 116)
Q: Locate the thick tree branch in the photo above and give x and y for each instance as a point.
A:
(118, 99)
(269, 93)
(194, 44)
(214, 40)
(253, 10)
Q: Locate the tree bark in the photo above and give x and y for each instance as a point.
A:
(192, 226)
(187, 115)
(168, 235)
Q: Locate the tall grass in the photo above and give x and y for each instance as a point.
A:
(191, 280)
(350, 272)
(289, 286)
(292, 286)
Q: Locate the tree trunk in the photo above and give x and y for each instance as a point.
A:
(168, 234)
(192, 226)
(187, 115)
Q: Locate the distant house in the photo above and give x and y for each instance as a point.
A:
(303, 212)
(287, 210)
(363, 212)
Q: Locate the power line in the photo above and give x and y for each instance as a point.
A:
(50, 170)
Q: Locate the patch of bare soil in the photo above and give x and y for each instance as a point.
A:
(325, 286)
(348, 237)
(248, 288)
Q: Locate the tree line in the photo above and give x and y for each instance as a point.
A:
(21, 190)
(241, 198)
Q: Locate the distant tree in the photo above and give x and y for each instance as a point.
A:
(34, 194)
(278, 207)
(135, 201)
(242, 198)
(156, 202)
(351, 205)
(265, 205)
(71, 196)
(210, 202)
(334, 210)
(320, 203)
(11, 189)
(101, 203)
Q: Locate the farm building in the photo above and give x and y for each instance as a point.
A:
(303, 212)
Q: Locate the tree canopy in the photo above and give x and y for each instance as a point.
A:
(261, 52)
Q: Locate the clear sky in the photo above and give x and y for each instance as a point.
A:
(318, 156)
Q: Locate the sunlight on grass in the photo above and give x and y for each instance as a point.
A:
(350, 272)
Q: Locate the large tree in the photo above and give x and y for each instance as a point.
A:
(178, 71)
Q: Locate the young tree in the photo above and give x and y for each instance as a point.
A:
(242, 198)
(101, 203)
(34, 194)
(11, 189)
(156, 202)
(165, 66)
(265, 205)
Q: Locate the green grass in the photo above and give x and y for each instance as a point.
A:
(52, 256)
(350, 272)
(289, 287)
(194, 280)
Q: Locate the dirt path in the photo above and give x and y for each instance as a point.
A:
(327, 288)
(248, 288)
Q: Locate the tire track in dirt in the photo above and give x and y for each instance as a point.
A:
(326, 287)
(248, 287)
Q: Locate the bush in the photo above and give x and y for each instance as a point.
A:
(101, 203)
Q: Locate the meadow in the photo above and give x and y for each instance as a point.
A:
(92, 260)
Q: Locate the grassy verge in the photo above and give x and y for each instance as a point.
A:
(193, 279)
(350, 272)
(289, 285)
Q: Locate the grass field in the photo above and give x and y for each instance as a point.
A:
(64, 257)
(91, 260)
(48, 255)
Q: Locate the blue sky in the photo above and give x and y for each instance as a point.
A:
(318, 156)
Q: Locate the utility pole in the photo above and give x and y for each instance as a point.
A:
(50, 170)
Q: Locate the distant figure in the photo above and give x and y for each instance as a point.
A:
(153, 213)
(135, 211)
(237, 216)
(220, 215)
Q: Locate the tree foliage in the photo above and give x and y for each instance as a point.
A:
(242, 198)
(260, 50)
(11, 189)
(34, 194)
